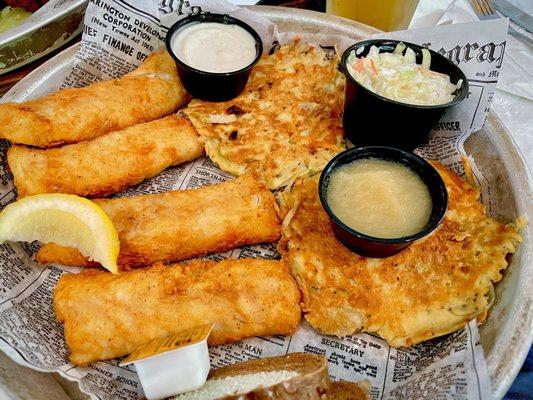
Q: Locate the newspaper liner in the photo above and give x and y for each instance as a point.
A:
(118, 35)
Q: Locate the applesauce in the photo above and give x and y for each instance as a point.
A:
(379, 198)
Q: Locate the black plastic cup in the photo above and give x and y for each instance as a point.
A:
(213, 86)
(370, 246)
(373, 120)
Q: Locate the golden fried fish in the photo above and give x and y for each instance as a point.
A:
(151, 91)
(108, 316)
(285, 124)
(182, 224)
(434, 287)
(106, 164)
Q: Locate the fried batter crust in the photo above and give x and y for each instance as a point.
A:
(107, 164)
(108, 316)
(183, 224)
(151, 91)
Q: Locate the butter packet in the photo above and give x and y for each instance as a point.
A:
(174, 364)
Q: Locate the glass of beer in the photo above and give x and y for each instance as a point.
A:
(387, 15)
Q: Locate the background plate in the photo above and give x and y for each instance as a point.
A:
(33, 40)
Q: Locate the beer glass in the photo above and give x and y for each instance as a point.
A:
(387, 15)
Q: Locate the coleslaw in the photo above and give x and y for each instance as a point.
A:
(398, 77)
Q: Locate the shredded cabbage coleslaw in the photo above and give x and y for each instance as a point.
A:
(398, 77)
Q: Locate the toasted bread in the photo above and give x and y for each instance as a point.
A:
(297, 376)
(343, 390)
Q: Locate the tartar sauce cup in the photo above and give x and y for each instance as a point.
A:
(370, 119)
(212, 86)
(369, 246)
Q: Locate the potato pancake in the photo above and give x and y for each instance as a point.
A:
(287, 122)
(432, 288)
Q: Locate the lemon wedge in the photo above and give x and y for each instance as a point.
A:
(64, 219)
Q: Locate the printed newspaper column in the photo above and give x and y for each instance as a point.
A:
(198, 173)
(436, 368)
(243, 350)
(117, 37)
(353, 358)
(18, 271)
(27, 317)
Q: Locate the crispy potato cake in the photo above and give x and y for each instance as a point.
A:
(285, 124)
(433, 287)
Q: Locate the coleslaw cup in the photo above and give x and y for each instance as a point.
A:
(373, 120)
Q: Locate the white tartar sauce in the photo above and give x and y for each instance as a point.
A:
(214, 47)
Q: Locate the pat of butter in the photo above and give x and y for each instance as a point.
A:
(174, 364)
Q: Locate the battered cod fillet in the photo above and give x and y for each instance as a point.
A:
(286, 123)
(435, 286)
(151, 91)
(183, 224)
(108, 316)
(107, 164)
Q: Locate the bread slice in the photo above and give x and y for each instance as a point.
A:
(342, 390)
(297, 376)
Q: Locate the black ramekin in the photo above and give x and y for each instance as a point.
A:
(213, 86)
(377, 247)
(373, 120)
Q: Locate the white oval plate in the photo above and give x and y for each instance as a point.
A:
(507, 334)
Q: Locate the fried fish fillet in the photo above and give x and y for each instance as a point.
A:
(151, 91)
(108, 316)
(285, 124)
(434, 287)
(183, 224)
(107, 164)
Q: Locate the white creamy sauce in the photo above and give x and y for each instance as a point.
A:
(214, 47)
(379, 198)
